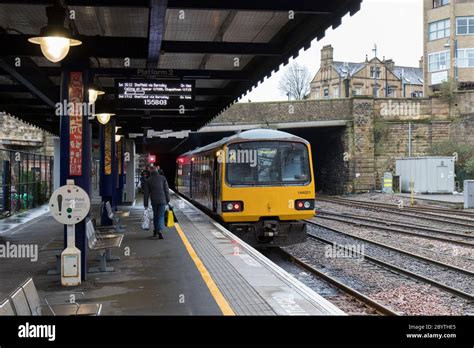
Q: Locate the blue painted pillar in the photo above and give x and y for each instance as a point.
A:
(83, 179)
(108, 168)
(120, 167)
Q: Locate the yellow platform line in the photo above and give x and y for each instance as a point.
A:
(215, 292)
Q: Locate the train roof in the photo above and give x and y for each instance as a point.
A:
(253, 134)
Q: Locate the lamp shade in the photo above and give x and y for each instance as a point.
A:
(104, 118)
(54, 38)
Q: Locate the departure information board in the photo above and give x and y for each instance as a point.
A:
(155, 94)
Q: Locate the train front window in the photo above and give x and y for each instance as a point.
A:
(267, 163)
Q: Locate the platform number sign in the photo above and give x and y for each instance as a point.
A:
(75, 124)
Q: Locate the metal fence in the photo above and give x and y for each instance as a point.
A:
(26, 181)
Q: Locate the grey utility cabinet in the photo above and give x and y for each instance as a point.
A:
(468, 194)
(432, 174)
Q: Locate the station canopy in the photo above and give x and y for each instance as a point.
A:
(226, 47)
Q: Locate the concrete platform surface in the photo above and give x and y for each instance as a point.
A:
(199, 268)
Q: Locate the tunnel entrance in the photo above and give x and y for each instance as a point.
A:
(330, 170)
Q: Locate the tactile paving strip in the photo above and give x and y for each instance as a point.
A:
(243, 299)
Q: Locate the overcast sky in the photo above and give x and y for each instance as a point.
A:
(396, 26)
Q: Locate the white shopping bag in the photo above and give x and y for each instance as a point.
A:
(146, 218)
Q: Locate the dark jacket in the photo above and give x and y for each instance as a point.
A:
(156, 188)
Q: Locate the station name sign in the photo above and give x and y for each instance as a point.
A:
(153, 94)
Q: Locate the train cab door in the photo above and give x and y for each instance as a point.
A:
(215, 184)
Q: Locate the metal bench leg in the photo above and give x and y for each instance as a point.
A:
(103, 265)
(109, 256)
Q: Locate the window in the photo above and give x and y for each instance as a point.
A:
(375, 72)
(326, 93)
(438, 61)
(335, 93)
(465, 26)
(466, 58)
(439, 3)
(276, 163)
(440, 29)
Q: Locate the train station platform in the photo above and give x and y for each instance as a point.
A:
(199, 268)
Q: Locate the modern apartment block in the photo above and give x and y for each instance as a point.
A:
(448, 43)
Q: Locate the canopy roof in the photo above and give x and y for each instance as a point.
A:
(227, 47)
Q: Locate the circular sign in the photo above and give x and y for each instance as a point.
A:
(69, 204)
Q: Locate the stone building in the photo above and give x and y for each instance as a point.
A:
(20, 136)
(448, 43)
(345, 79)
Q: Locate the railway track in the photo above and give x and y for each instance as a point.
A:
(343, 296)
(411, 208)
(464, 239)
(465, 221)
(457, 281)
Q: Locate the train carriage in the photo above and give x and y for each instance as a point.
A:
(259, 183)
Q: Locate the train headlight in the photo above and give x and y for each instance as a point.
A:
(234, 206)
(304, 204)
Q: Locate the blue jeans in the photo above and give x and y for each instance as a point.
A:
(158, 216)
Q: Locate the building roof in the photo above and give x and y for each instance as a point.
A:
(344, 68)
(412, 75)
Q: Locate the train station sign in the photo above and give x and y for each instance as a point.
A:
(153, 94)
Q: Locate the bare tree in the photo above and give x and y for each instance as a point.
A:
(295, 82)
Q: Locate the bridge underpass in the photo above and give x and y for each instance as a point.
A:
(329, 149)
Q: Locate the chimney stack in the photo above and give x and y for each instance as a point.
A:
(327, 56)
(390, 64)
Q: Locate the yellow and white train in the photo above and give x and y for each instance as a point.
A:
(259, 183)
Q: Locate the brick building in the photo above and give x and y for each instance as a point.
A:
(345, 79)
(448, 43)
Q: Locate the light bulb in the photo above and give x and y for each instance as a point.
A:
(103, 118)
(54, 48)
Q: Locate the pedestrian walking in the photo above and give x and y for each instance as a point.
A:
(156, 189)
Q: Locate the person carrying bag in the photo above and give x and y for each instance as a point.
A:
(156, 190)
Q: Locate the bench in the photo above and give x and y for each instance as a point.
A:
(25, 301)
(112, 216)
(6, 308)
(103, 243)
(101, 233)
